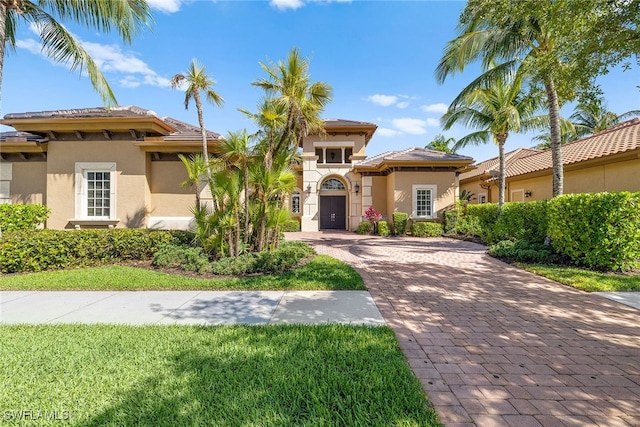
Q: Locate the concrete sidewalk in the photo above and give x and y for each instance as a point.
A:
(189, 307)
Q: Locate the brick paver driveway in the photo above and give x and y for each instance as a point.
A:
(494, 345)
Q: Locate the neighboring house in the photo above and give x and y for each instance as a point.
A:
(606, 161)
(120, 168)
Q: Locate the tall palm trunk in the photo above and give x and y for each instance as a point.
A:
(262, 228)
(3, 39)
(556, 140)
(203, 133)
(246, 203)
(503, 170)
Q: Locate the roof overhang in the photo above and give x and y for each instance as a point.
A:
(362, 129)
(457, 165)
(159, 145)
(146, 124)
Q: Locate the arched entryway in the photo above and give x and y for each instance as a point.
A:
(333, 205)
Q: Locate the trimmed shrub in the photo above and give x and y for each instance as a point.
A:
(400, 223)
(54, 249)
(426, 229)
(523, 221)
(22, 217)
(286, 257)
(185, 258)
(597, 230)
(523, 251)
(383, 228)
(481, 220)
(364, 227)
(451, 220)
(290, 226)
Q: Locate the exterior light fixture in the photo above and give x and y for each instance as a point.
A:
(527, 194)
(309, 188)
(357, 188)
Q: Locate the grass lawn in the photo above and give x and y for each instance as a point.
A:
(586, 280)
(225, 376)
(321, 273)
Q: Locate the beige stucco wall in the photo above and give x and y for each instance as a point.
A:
(168, 197)
(378, 195)
(403, 183)
(131, 182)
(358, 143)
(29, 182)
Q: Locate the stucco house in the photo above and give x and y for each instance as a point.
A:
(606, 161)
(120, 168)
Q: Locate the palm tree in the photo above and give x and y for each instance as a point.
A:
(524, 44)
(196, 168)
(294, 95)
(496, 111)
(236, 150)
(198, 81)
(592, 117)
(442, 144)
(126, 17)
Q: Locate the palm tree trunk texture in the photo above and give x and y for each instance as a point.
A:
(3, 39)
(556, 142)
(203, 132)
(503, 171)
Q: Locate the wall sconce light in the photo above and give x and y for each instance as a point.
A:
(309, 188)
(527, 194)
(357, 188)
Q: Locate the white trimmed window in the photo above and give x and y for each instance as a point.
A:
(482, 198)
(424, 201)
(96, 191)
(295, 203)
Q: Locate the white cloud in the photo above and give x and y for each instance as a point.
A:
(410, 126)
(386, 132)
(403, 104)
(110, 59)
(166, 6)
(382, 100)
(435, 108)
(286, 4)
(432, 122)
(296, 4)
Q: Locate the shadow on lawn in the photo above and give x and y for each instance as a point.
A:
(288, 375)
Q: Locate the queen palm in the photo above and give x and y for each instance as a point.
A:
(525, 43)
(592, 117)
(236, 150)
(197, 81)
(495, 110)
(126, 17)
(302, 101)
(196, 169)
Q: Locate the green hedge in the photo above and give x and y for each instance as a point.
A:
(286, 257)
(523, 221)
(383, 228)
(290, 226)
(400, 223)
(54, 249)
(597, 230)
(523, 251)
(426, 229)
(22, 217)
(364, 228)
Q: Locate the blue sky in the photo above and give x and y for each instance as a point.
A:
(379, 57)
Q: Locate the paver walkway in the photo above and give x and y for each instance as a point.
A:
(494, 345)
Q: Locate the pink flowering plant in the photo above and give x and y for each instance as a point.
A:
(372, 216)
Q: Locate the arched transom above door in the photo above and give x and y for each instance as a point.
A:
(332, 184)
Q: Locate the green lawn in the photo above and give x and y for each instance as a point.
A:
(586, 280)
(225, 376)
(321, 273)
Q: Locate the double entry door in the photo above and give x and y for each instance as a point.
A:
(333, 212)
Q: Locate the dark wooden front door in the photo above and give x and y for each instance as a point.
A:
(333, 212)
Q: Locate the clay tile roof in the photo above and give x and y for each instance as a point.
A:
(119, 111)
(186, 131)
(13, 134)
(617, 139)
(343, 122)
(493, 164)
(413, 154)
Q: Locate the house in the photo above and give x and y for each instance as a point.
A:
(606, 161)
(120, 168)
